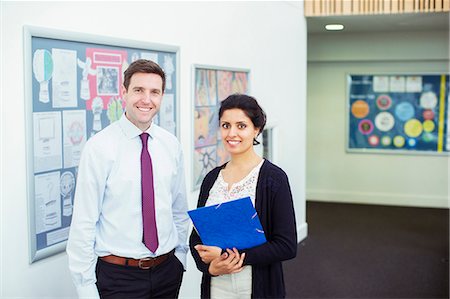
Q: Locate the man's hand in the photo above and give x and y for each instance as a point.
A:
(208, 253)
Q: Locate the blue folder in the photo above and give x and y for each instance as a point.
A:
(230, 224)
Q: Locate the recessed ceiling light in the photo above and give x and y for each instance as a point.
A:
(334, 27)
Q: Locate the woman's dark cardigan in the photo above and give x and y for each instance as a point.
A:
(275, 209)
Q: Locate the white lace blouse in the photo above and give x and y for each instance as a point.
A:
(235, 285)
(219, 192)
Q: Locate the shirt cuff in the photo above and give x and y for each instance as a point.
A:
(88, 291)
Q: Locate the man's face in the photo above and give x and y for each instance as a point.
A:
(143, 99)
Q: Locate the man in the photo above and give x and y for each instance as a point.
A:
(129, 227)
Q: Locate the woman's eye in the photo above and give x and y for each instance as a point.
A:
(242, 126)
(225, 126)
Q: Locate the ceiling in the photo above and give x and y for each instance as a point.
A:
(382, 23)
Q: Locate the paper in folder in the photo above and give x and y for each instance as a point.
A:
(230, 224)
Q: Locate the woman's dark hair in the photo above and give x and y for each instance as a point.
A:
(250, 107)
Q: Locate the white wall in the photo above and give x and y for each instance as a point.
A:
(269, 38)
(333, 174)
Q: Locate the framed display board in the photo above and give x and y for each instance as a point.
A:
(73, 90)
(269, 137)
(211, 86)
(398, 113)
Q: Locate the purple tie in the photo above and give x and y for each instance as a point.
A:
(148, 198)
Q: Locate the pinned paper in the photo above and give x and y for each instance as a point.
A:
(97, 108)
(43, 71)
(114, 110)
(168, 69)
(85, 93)
(67, 185)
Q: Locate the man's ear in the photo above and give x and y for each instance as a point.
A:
(123, 92)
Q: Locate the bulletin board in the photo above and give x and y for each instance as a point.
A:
(211, 86)
(269, 142)
(73, 90)
(399, 113)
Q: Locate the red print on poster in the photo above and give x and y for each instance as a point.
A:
(107, 82)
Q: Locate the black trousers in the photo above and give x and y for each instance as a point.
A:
(123, 282)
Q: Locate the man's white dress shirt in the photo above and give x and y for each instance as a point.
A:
(107, 217)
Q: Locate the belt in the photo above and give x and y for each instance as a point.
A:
(144, 263)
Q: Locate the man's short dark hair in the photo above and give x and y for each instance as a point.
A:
(143, 66)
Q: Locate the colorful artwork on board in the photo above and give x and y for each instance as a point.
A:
(408, 113)
(211, 86)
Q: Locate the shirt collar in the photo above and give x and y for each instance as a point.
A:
(131, 131)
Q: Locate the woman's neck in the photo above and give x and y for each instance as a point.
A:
(239, 167)
(245, 160)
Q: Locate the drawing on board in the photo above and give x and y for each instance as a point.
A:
(211, 86)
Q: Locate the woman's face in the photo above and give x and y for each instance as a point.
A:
(237, 131)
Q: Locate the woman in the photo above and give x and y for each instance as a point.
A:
(255, 272)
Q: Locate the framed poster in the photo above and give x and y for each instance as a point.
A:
(73, 90)
(211, 86)
(399, 113)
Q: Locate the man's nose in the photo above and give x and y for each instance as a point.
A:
(147, 97)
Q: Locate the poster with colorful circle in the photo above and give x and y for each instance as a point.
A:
(407, 113)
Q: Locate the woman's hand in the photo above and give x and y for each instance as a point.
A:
(229, 262)
(208, 253)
